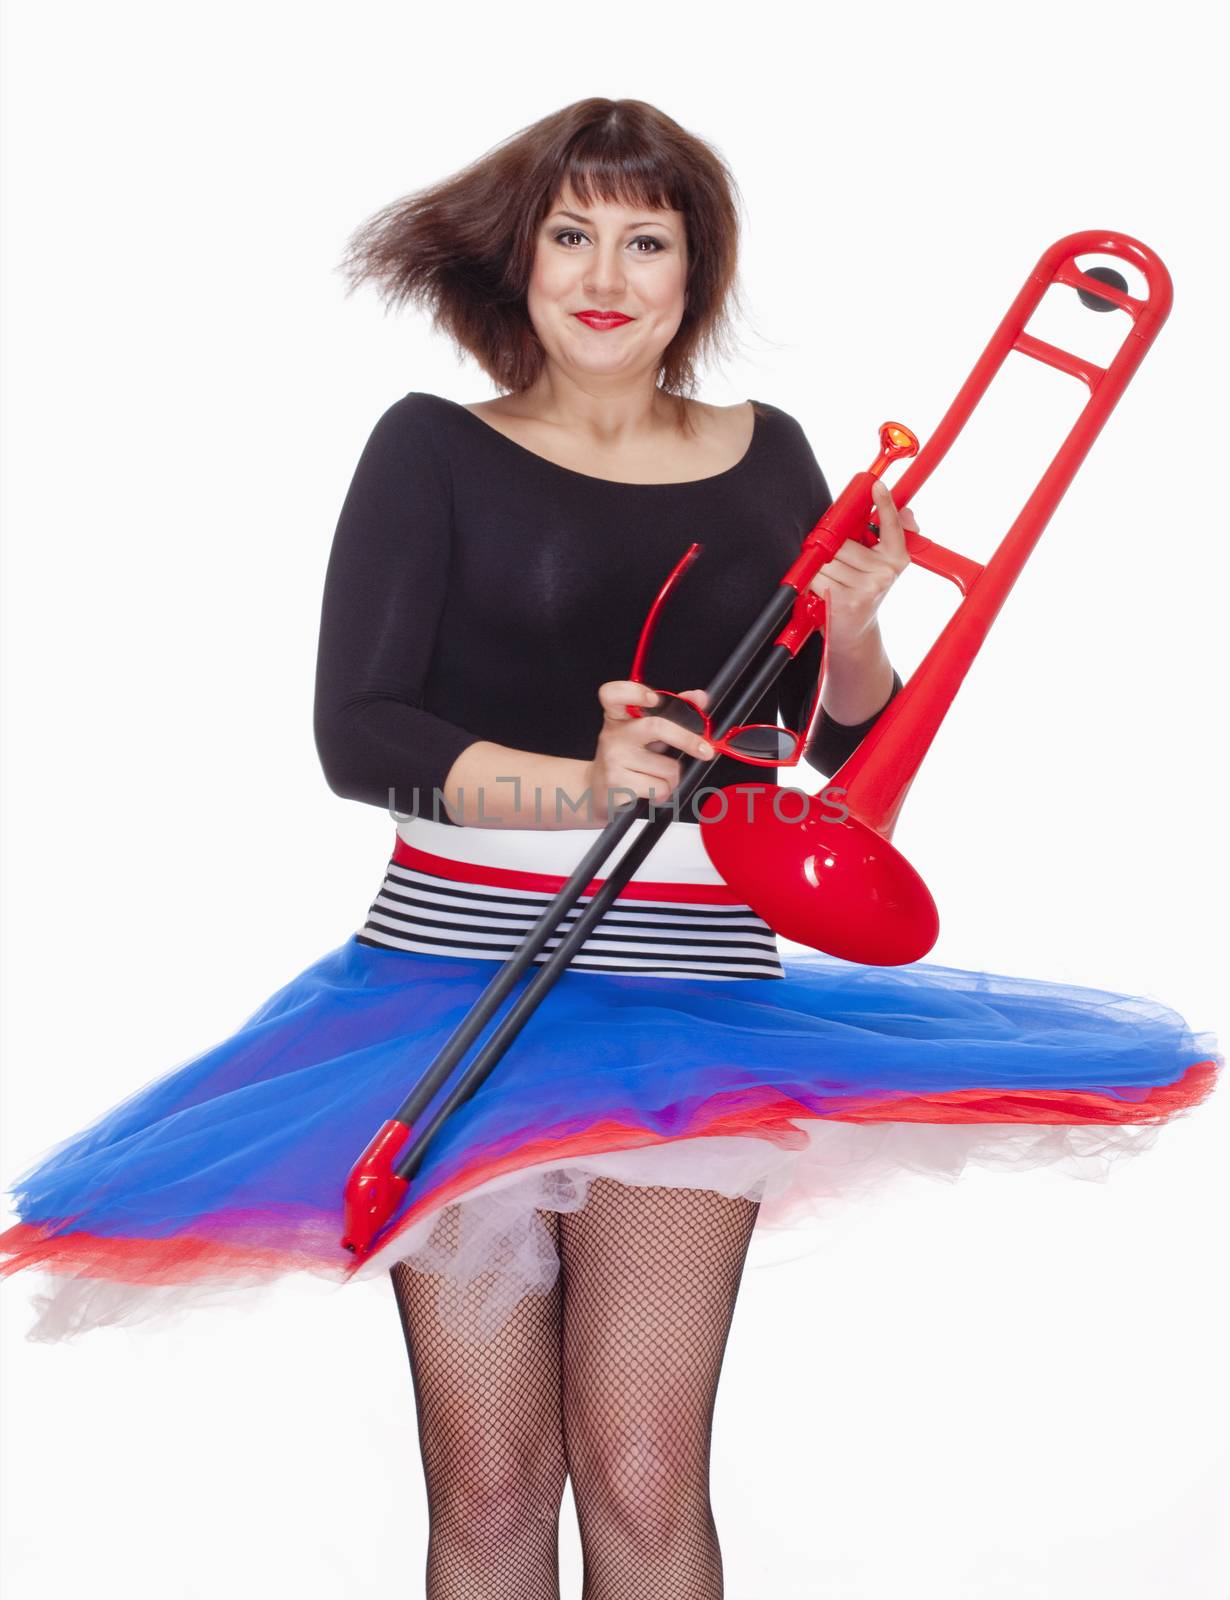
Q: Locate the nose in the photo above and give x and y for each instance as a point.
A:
(605, 277)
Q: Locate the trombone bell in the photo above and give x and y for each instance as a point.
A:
(829, 882)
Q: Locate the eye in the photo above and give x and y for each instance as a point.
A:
(641, 238)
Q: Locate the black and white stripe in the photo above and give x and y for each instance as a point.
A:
(420, 911)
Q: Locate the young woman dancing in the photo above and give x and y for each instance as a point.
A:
(567, 1260)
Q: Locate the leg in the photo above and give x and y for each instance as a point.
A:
(650, 1276)
(491, 1442)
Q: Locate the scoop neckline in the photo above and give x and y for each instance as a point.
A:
(620, 483)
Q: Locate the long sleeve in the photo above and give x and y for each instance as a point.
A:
(831, 743)
(384, 593)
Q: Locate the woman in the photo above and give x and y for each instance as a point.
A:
(567, 1261)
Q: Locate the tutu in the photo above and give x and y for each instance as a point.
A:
(678, 1048)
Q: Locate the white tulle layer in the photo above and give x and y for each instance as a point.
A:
(499, 1250)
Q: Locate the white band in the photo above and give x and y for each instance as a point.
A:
(678, 857)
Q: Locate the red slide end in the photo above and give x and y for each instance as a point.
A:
(373, 1193)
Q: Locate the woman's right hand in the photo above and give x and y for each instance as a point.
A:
(629, 755)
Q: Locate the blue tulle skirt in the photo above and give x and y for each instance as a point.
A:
(809, 1083)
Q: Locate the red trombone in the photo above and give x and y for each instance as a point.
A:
(832, 884)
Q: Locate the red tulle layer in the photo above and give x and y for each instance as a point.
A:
(305, 1240)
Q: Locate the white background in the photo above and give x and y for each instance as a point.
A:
(1010, 1387)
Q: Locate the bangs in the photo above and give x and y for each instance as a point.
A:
(597, 169)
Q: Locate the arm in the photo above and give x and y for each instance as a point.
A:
(860, 681)
(495, 786)
(853, 682)
(383, 595)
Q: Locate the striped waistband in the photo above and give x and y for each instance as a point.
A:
(478, 891)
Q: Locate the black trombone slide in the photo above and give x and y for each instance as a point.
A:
(379, 1179)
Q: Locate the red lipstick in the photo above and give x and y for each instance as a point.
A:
(602, 319)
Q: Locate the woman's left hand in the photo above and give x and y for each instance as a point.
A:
(856, 580)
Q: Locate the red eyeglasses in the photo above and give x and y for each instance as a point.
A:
(762, 744)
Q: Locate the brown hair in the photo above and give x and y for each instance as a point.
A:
(464, 248)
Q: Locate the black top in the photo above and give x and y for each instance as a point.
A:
(476, 590)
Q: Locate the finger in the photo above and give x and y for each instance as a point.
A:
(680, 738)
(868, 569)
(839, 576)
(651, 761)
(703, 749)
(892, 538)
(857, 557)
(619, 694)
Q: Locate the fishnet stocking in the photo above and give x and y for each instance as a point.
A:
(650, 1280)
(610, 1379)
(489, 1433)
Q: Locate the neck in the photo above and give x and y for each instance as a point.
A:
(611, 414)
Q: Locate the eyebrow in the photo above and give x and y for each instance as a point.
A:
(589, 222)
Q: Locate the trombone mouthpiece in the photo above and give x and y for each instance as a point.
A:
(896, 441)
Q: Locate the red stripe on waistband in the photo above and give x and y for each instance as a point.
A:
(408, 855)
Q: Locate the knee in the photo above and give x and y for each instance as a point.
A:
(648, 1485)
(497, 1498)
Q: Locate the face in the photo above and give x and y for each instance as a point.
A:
(605, 257)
